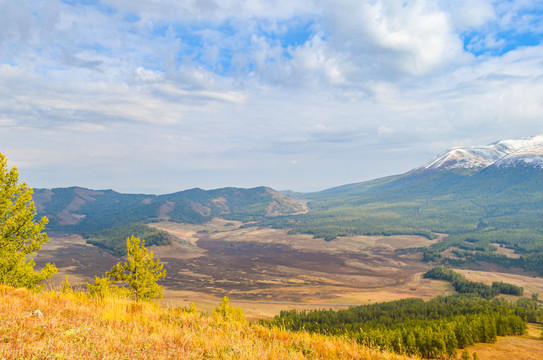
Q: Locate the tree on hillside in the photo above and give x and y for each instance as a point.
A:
(20, 236)
(140, 273)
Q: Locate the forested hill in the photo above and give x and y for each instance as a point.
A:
(85, 208)
(485, 197)
(105, 215)
(455, 201)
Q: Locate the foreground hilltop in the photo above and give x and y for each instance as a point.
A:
(71, 326)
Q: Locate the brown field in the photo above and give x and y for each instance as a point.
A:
(527, 347)
(265, 270)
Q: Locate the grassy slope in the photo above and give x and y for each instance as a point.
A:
(72, 326)
(526, 347)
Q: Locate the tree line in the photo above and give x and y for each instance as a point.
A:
(430, 329)
(464, 286)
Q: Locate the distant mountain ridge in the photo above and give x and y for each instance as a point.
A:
(480, 168)
(504, 153)
(482, 196)
(77, 206)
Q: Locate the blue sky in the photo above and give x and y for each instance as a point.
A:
(159, 96)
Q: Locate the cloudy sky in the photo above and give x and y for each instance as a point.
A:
(157, 96)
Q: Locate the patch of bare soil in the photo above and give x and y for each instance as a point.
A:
(75, 258)
(165, 209)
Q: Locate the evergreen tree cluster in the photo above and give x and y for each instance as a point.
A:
(464, 286)
(501, 287)
(481, 246)
(412, 326)
(114, 239)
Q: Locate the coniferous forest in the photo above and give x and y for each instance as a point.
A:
(430, 329)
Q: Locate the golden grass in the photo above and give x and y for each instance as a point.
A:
(75, 327)
(526, 347)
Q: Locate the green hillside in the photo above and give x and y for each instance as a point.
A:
(478, 208)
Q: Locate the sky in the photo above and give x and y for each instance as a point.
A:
(158, 96)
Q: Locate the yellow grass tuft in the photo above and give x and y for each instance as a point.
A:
(72, 326)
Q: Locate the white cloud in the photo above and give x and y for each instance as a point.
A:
(211, 11)
(384, 38)
(149, 75)
(468, 14)
(209, 93)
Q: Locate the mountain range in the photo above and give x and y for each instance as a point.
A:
(483, 194)
(106, 217)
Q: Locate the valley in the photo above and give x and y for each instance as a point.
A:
(264, 270)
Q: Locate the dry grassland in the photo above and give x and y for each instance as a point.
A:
(265, 270)
(510, 253)
(527, 347)
(72, 326)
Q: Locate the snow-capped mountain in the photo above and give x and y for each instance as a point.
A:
(505, 153)
(525, 157)
(504, 169)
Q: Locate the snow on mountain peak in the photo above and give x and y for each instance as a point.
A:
(505, 153)
(510, 146)
(532, 156)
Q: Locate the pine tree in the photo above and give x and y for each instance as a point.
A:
(20, 236)
(140, 272)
